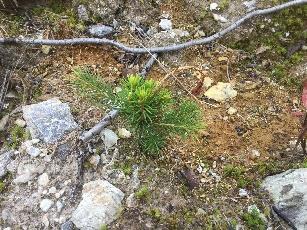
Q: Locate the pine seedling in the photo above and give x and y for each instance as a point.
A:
(93, 88)
(152, 113)
(148, 108)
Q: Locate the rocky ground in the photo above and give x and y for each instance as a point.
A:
(243, 171)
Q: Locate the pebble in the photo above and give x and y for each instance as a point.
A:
(243, 193)
(255, 153)
(45, 205)
(28, 147)
(219, 18)
(165, 24)
(46, 49)
(109, 138)
(200, 212)
(207, 82)
(94, 160)
(52, 190)
(232, 111)
(199, 169)
(214, 164)
(59, 206)
(45, 221)
(21, 123)
(43, 180)
(213, 6)
(124, 133)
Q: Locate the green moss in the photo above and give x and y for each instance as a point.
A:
(18, 135)
(233, 171)
(266, 168)
(143, 193)
(2, 186)
(224, 4)
(155, 213)
(253, 220)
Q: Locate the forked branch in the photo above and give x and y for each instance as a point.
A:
(162, 49)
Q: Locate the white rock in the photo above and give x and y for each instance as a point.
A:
(46, 49)
(165, 24)
(123, 133)
(5, 160)
(45, 205)
(213, 6)
(221, 92)
(59, 206)
(243, 192)
(100, 204)
(289, 193)
(43, 180)
(52, 190)
(219, 18)
(28, 147)
(131, 201)
(250, 5)
(45, 221)
(109, 138)
(255, 153)
(21, 123)
(207, 82)
(94, 160)
(232, 111)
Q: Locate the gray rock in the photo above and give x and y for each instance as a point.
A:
(27, 172)
(68, 225)
(82, 13)
(100, 30)
(49, 120)
(167, 37)
(45, 205)
(289, 193)
(100, 204)
(5, 160)
(106, 9)
(109, 138)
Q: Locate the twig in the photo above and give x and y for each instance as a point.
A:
(148, 65)
(162, 49)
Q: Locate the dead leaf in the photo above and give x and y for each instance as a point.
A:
(198, 89)
(221, 59)
(262, 49)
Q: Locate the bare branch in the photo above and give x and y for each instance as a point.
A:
(162, 49)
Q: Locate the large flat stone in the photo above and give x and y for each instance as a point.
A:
(289, 193)
(49, 120)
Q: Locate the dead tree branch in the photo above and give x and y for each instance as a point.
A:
(162, 49)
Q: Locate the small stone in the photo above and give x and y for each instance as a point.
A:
(221, 92)
(82, 13)
(45, 221)
(46, 49)
(94, 160)
(232, 111)
(100, 30)
(219, 18)
(250, 5)
(255, 153)
(214, 164)
(43, 180)
(200, 212)
(131, 201)
(52, 190)
(59, 206)
(165, 24)
(213, 6)
(199, 169)
(109, 138)
(123, 133)
(207, 82)
(47, 158)
(68, 225)
(28, 147)
(27, 172)
(5, 160)
(20, 122)
(45, 205)
(243, 193)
